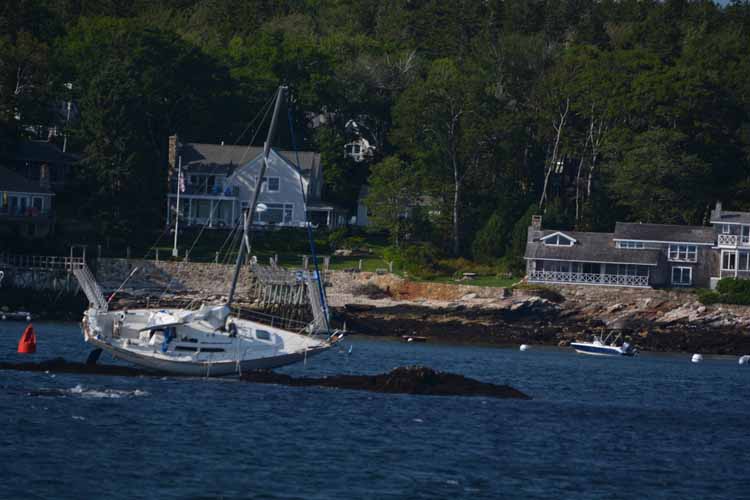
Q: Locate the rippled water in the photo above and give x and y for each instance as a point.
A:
(649, 427)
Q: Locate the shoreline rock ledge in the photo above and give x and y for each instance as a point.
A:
(418, 380)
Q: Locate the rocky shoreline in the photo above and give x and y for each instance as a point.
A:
(652, 320)
(389, 306)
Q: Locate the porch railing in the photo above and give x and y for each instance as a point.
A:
(733, 240)
(42, 262)
(731, 273)
(588, 278)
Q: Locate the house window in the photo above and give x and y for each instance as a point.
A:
(683, 253)
(744, 263)
(288, 212)
(554, 266)
(270, 185)
(682, 275)
(37, 203)
(558, 240)
(725, 228)
(276, 213)
(629, 244)
(728, 261)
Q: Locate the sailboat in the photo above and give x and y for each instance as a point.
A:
(209, 341)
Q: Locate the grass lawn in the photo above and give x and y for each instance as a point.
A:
(495, 281)
(292, 245)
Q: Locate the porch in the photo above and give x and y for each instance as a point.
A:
(213, 211)
(589, 273)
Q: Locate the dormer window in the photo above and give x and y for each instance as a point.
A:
(558, 240)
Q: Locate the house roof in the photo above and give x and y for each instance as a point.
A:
(41, 151)
(589, 247)
(664, 233)
(11, 181)
(218, 159)
(729, 216)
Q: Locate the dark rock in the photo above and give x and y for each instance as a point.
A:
(404, 380)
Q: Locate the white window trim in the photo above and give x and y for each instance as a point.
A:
(630, 244)
(682, 268)
(590, 261)
(736, 260)
(264, 187)
(664, 242)
(677, 251)
(561, 234)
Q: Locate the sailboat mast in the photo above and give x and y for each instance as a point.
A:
(248, 216)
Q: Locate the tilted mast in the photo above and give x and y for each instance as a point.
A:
(250, 213)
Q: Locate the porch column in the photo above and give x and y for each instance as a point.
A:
(234, 202)
(169, 211)
(737, 260)
(210, 213)
(328, 219)
(190, 211)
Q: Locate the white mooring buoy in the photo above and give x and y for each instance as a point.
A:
(697, 358)
(523, 347)
(744, 360)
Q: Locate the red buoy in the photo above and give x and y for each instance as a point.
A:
(27, 344)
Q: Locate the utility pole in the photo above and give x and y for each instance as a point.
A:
(175, 252)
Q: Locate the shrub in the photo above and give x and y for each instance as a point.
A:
(708, 296)
(542, 291)
(728, 291)
(371, 291)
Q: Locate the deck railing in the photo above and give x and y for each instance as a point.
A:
(733, 240)
(588, 278)
(42, 262)
(731, 273)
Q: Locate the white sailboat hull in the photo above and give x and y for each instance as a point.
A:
(196, 348)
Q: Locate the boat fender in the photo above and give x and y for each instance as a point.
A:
(523, 347)
(232, 329)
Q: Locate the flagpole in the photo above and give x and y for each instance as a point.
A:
(175, 252)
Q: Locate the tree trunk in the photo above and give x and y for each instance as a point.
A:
(555, 151)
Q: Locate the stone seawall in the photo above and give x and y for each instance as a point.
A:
(156, 276)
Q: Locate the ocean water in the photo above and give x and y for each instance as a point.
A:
(656, 426)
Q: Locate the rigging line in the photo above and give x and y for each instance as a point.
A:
(321, 287)
(210, 218)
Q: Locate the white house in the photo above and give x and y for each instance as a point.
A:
(219, 182)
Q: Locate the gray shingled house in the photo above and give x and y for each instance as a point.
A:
(218, 182)
(642, 255)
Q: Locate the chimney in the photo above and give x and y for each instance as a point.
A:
(44, 179)
(172, 156)
(536, 222)
(718, 209)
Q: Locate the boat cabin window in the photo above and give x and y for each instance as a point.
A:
(262, 335)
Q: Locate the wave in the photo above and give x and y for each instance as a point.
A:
(88, 393)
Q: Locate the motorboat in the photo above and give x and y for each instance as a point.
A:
(604, 347)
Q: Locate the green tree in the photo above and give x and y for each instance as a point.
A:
(436, 124)
(392, 196)
(658, 180)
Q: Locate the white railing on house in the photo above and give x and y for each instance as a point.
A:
(731, 273)
(42, 262)
(733, 240)
(588, 278)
